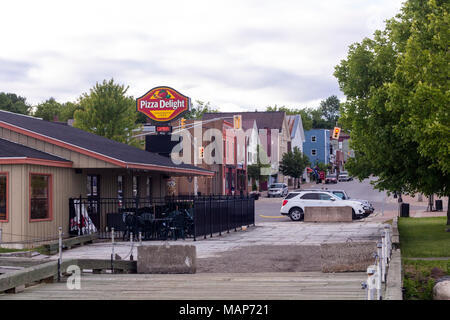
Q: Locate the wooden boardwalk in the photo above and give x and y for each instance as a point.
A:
(205, 286)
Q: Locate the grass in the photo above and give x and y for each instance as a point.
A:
(419, 277)
(40, 249)
(4, 250)
(424, 237)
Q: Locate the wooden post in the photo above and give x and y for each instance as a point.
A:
(131, 242)
(60, 252)
(112, 250)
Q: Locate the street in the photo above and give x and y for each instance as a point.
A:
(268, 209)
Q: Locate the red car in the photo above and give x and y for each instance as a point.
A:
(331, 179)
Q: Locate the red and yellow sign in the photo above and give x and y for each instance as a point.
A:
(163, 104)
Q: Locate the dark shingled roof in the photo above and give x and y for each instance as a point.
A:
(91, 142)
(264, 120)
(10, 149)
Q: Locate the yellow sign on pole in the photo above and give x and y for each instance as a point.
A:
(237, 122)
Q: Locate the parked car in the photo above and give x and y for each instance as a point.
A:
(295, 202)
(368, 207)
(343, 176)
(331, 179)
(278, 190)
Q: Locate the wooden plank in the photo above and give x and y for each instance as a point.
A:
(32, 274)
(53, 247)
(19, 262)
(206, 286)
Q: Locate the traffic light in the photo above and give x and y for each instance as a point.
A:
(201, 152)
(183, 123)
(237, 122)
(336, 132)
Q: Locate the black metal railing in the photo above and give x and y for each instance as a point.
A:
(170, 217)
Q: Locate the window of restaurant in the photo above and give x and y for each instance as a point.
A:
(40, 196)
(3, 197)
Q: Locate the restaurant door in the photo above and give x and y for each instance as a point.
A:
(93, 196)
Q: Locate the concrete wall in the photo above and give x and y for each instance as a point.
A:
(328, 214)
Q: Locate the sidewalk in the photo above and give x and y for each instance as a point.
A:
(417, 209)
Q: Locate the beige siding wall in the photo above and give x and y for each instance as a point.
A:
(65, 184)
(19, 228)
(79, 160)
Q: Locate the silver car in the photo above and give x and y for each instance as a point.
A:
(343, 176)
(277, 190)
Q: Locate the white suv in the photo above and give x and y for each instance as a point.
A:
(294, 204)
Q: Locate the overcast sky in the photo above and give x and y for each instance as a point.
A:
(239, 55)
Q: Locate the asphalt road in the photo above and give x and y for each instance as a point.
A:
(268, 209)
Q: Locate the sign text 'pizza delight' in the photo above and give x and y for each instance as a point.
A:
(163, 104)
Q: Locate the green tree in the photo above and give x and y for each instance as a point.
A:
(293, 164)
(48, 110)
(68, 110)
(396, 86)
(199, 109)
(107, 111)
(14, 103)
(323, 117)
(330, 110)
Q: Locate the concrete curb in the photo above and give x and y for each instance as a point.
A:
(395, 234)
(394, 281)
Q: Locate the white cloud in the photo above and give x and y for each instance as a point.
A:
(235, 54)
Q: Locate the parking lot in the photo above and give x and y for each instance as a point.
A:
(268, 209)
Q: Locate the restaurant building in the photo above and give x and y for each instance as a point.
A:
(44, 164)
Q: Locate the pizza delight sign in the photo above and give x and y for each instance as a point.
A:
(163, 104)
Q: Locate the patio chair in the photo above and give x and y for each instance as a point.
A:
(177, 226)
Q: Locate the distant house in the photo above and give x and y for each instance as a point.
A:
(317, 146)
(45, 164)
(251, 131)
(273, 127)
(341, 151)
(229, 171)
(297, 137)
(297, 133)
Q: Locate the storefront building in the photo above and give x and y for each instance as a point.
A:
(44, 164)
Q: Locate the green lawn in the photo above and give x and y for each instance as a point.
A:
(419, 277)
(424, 237)
(3, 250)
